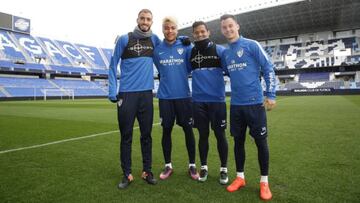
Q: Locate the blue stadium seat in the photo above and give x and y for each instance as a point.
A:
(25, 87)
(55, 52)
(270, 50)
(24, 92)
(304, 77)
(72, 52)
(30, 87)
(10, 49)
(23, 66)
(107, 53)
(31, 46)
(69, 69)
(2, 94)
(353, 60)
(92, 54)
(100, 71)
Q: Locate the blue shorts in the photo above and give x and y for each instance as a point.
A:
(209, 112)
(253, 116)
(175, 108)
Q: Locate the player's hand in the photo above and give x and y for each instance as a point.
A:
(185, 40)
(113, 99)
(269, 104)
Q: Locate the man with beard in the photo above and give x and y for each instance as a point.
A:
(134, 96)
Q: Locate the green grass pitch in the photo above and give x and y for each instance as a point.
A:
(314, 155)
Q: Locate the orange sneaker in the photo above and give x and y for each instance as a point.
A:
(265, 193)
(236, 184)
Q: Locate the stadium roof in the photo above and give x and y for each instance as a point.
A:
(309, 16)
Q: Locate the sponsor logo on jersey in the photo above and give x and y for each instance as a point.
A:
(199, 58)
(171, 61)
(138, 48)
(233, 66)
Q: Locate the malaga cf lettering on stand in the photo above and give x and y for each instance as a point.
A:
(313, 90)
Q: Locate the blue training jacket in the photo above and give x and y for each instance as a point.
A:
(208, 82)
(136, 74)
(170, 61)
(245, 60)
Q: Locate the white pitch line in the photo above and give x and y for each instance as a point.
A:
(62, 141)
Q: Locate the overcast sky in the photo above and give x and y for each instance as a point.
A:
(98, 22)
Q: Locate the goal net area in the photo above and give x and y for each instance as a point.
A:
(58, 93)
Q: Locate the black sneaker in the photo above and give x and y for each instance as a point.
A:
(125, 182)
(203, 175)
(149, 178)
(223, 178)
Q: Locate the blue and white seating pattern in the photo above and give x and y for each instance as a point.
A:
(334, 52)
(31, 87)
(26, 49)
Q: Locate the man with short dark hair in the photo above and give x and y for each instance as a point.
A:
(208, 95)
(134, 98)
(245, 61)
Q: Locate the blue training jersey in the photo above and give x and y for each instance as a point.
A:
(207, 74)
(170, 61)
(245, 60)
(136, 72)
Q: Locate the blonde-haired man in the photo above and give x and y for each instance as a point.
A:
(174, 94)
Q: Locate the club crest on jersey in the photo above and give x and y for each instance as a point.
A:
(180, 50)
(240, 52)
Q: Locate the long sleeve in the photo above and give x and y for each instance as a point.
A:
(220, 51)
(115, 59)
(156, 40)
(267, 69)
(156, 60)
(188, 56)
(223, 63)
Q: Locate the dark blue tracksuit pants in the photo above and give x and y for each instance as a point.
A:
(133, 105)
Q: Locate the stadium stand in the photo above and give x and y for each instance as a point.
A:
(39, 61)
(305, 77)
(312, 54)
(25, 87)
(342, 51)
(43, 59)
(30, 87)
(2, 94)
(314, 45)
